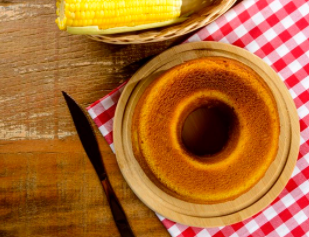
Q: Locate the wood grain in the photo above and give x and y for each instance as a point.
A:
(207, 215)
(47, 185)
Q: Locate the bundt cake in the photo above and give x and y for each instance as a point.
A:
(239, 96)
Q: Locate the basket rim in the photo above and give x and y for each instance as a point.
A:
(195, 22)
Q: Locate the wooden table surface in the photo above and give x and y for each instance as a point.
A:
(47, 184)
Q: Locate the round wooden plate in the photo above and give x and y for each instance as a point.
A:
(206, 215)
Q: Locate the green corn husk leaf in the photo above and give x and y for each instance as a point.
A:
(94, 30)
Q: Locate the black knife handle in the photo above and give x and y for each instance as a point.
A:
(117, 211)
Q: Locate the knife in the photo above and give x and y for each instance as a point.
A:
(90, 144)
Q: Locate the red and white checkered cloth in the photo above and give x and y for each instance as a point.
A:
(278, 32)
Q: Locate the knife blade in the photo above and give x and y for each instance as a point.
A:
(90, 144)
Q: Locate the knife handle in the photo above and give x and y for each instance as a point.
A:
(117, 211)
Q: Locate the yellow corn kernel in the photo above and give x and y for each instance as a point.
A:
(77, 6)
(115, 13)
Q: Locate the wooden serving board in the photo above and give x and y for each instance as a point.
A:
(207, 215)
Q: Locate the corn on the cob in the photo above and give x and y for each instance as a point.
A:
(107, 14)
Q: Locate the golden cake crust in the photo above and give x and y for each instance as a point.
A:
(160, 114)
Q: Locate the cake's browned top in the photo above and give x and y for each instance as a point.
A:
(253, 141)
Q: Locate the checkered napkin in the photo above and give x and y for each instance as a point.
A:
(278, 32)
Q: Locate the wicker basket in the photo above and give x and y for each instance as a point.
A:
(195, 21)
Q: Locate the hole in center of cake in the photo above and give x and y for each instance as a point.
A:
(207, 129)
